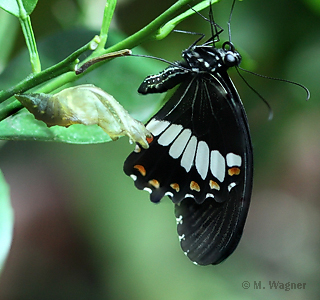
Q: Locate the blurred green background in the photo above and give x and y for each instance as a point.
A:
(82, 230)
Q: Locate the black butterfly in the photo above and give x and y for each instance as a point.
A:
(201, 153)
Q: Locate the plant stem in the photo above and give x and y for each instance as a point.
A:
(9, 107)
(151, 31)
(169, 26)
(107, 17)
(29, 37)
(33, 80)
(148, 32)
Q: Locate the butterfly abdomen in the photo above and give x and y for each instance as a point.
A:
(165, 80)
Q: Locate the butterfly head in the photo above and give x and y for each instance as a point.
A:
(230, 56)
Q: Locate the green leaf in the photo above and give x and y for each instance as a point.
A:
(23, 126)
(6, 221)
(120, 78)
(12, 6)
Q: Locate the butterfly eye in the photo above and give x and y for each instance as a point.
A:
(230, 60)
(232, 57)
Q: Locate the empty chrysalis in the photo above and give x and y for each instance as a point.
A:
(86, 104)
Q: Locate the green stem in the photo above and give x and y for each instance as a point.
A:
(152, 29)
(107, 17)
(148, 32)
(155, 29)
(63, 68)
(9, 107)
(29, 37)
(169, 26)
(33, 80)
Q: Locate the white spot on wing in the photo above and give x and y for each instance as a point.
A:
(147, 190)
(233, 160)
(209, 195)
(181, 237)
(170, 194)
(202, 159)
(179, 220)
(188, 154)
(217, 165)
(180, 143)
(231, 185)
(169, 135)
(189, 196)
(156, 127)
(134, 177)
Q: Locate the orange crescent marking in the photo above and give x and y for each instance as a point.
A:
(149, 139)
(175, 186)
(155, 183)
(141, 169)
(234, 171)
(194, 186)
(214, 185)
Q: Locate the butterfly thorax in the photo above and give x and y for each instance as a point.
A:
(208, 59)
(197, 60)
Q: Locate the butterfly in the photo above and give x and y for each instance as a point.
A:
(200, 154)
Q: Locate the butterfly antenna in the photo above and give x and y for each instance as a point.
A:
(280, 79)
(270, 117)
(229, 22)
(161, 59)
(213, 31)
(215, 28)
